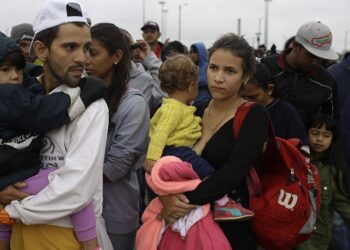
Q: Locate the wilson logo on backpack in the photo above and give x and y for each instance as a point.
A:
(287, 200)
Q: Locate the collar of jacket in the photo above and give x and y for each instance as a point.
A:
(282, 63)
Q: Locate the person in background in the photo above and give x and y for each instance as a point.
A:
(199, 55)
(261, 51)
(323, 136)
(127, 141)
(145, 81)
(23, 35)
(171, 49)
(285, 119)
(341, 73)
(151, 34)
(298, 76)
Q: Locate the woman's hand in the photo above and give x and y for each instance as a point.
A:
(175, 206)
(169, 220)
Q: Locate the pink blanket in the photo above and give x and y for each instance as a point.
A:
(171, 176)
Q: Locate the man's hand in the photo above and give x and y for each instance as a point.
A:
(11, 193)
(149, 165)
(144, 50)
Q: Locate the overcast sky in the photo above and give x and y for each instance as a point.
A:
(204, 20)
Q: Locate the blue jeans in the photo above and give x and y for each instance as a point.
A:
(341, 234)
(199, 165)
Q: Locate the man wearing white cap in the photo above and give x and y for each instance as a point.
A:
(299, 77)
(62, 39)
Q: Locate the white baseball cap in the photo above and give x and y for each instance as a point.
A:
(316, 38)
(56, 12)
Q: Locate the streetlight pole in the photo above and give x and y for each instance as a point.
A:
(162, 3)
(346, 39)
(143, 11)
(239, 25)
(266, 22)
(180, 9)
(164, 25)
(258, 34)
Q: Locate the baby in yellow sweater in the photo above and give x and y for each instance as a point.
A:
(175, 128)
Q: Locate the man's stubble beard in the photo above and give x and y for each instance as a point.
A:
(58, 80)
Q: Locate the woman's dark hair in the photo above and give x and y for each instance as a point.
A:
(15, 59)
(262, 76)
(239, 47)
(333, 155)
(113, 39)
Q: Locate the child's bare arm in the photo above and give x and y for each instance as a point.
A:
(149, 165)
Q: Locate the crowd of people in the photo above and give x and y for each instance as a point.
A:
(111, 143)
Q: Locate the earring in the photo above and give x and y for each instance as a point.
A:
(115, 63)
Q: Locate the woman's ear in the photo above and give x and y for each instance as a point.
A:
(245, 81)
(117, 56)
(270, 88)
(41, 51)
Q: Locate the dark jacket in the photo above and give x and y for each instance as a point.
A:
(286, 121)
(341, 73)
(310, 93)
(23, 116)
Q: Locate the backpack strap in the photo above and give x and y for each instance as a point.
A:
(252, 179)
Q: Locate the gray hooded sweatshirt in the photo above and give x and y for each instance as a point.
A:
(126, 147)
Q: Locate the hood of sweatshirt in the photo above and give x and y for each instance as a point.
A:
(202, 55)
(7, 46)
(136, 70)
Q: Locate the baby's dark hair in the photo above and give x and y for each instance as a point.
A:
(262, 76)
(15, 59)
(177, 73)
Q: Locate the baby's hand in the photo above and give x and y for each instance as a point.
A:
(149, 165)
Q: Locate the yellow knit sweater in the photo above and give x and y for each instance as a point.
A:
(174, 124)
